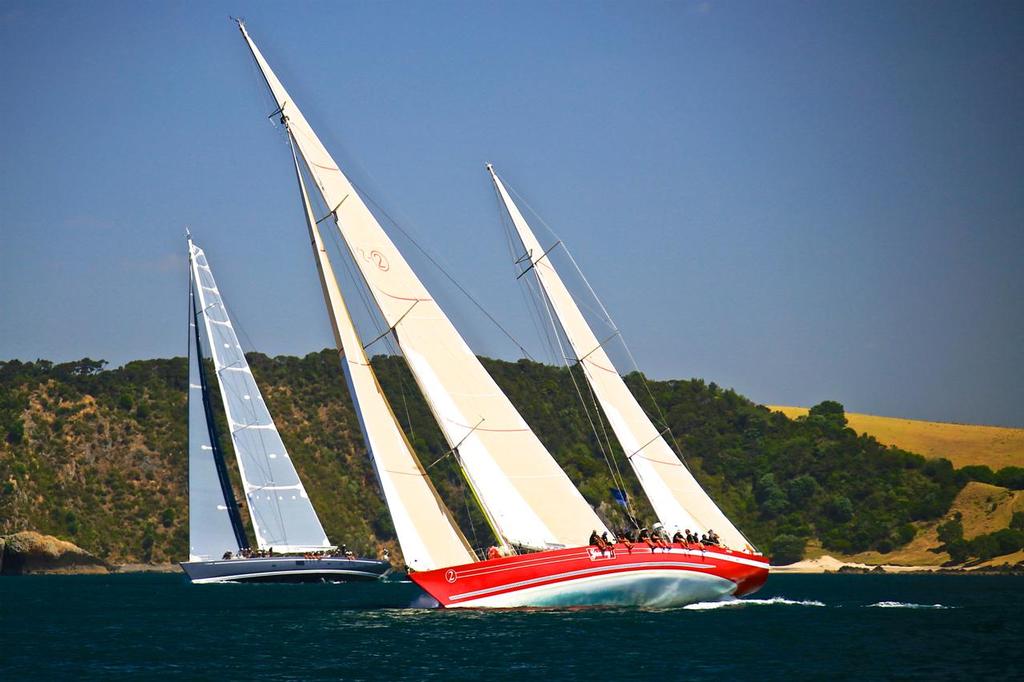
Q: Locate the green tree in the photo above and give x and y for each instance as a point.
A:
(830, 410)
(787, 549)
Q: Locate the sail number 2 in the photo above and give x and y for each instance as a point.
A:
(377, 258)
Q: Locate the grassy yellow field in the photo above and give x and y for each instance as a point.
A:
(962, 444)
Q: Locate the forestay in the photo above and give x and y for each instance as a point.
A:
(426, 531)
(526, 496)
(282, 515)
(210, 530)
(677, 498)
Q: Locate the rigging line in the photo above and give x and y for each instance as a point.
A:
(610, 321)
(393, 328)
(357, 284)
(606, 317)
(528, 297)
(373, 314)
(612, 469)
(536, 300)
(540, 297)
(617, 475)
(611, 462)
(534, 263)
(455, 448)
(469, 515)
(405, 403)
(445, 272)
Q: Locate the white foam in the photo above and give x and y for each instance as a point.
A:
(732, 601)
(906, 605)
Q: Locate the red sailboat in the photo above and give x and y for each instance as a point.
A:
(537, 514)
(587, 576)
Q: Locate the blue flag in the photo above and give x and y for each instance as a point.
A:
(620, 497)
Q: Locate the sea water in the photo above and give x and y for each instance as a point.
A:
(796, 627)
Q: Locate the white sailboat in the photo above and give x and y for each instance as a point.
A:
(540, 519)
(282, 515)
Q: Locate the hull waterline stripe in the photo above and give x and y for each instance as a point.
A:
(246, 576)
(565, 577)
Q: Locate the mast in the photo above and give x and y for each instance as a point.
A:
(214, 524)
(282, 515)
(677, 497)
(426, 530)
(529, 498)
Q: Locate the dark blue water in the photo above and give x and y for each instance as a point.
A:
(146, 626)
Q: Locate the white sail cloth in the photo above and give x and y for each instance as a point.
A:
(282, 515)
(677, 498)
(524, 493)
(426, 531)
(210, 532)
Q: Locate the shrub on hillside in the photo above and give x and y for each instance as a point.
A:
(787, 549)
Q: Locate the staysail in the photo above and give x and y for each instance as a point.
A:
(213, 523)
(282, 515)
(426, 531)
(677, 498)
(525, 494)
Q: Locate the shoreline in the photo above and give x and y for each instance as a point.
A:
(829, 565)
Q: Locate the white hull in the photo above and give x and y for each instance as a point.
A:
(652, 588)
(285, 569)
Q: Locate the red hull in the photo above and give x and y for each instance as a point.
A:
(584, 576)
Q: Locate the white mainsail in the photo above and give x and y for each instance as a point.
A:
(282, 515)
(211, 531)
(677, 498)
(525, 494)
(426, 531)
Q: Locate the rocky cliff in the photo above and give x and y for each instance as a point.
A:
(30, 552)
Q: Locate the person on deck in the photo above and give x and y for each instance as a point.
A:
(624, 539)
(679, 538)
(659, 536)
(645, 537)
(595, 539)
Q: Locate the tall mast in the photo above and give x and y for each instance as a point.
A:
(677, 498)
(426, 530)
(531, 500)
(214, 524)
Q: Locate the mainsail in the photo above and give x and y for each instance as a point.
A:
(426, 531)
(282, 515)
(524, 493)
(213, 523)
(677, 498)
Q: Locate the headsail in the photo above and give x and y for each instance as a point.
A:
(526, 495)
(213, 523)
(426, 531)
(677, 498)
(282, 515)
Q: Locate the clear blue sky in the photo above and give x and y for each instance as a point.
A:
(799, 200)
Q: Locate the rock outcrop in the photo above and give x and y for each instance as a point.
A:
(30, 552)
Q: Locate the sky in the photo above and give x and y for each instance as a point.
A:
(801, 201)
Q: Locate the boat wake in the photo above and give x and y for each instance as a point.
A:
(906, 605)
(773, 601)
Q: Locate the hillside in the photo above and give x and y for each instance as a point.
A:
(982, 510)
(962, 444)
(98, 457)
